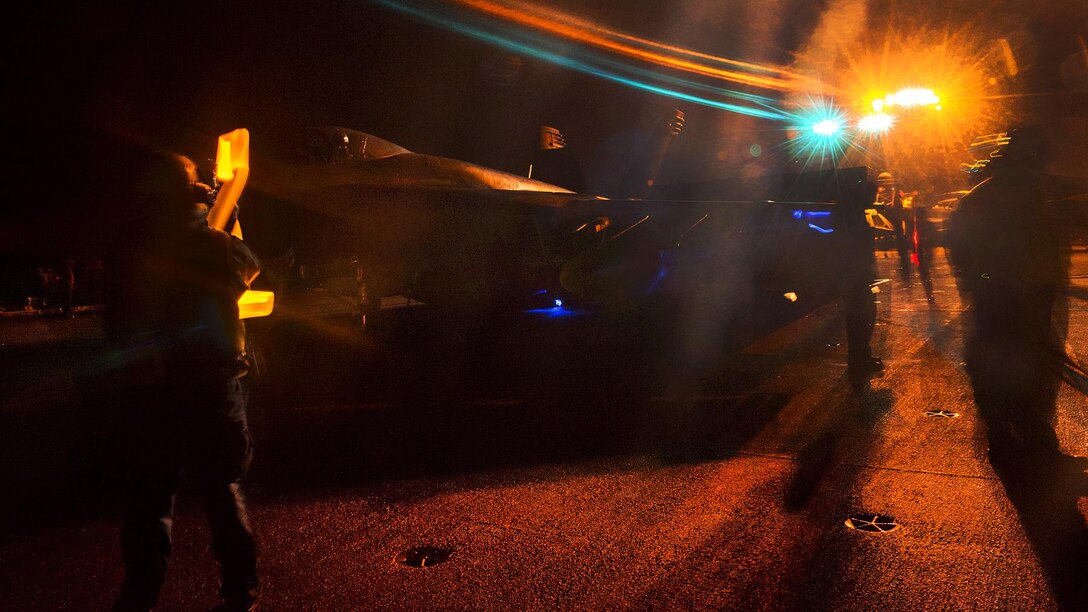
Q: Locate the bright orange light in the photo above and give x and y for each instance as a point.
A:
(913, 96)
(876, 123)
(256, 304)
(232, 170)
(910, 73)
(224, 169)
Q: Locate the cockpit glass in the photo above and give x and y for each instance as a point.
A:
(330, 144)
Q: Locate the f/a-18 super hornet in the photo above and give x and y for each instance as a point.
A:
(365, 219)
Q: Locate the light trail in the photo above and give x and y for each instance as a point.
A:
(609, 69)
(817, 131)
(944, 83)
(569, 27)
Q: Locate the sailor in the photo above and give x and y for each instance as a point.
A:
(1006, 251)
(855, 289)
(172, 322)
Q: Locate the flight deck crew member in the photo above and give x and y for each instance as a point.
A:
(903, 219)
(855, 287)
(923, 238)
(177, 343)
(1006, 250)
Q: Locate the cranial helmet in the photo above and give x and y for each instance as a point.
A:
(1025, 144)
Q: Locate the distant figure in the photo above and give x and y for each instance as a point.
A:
(856, 290)
(628, 162)
(892, 200)
(923, 239)
(1005, 248)
(554, 163)
(177, 349)
(902, 219)
(69, 286)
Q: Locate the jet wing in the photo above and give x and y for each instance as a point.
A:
(349, 157)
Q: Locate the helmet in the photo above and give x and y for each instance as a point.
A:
(1024, 144)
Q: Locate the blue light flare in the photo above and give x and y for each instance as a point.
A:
(827, 127)
(819, 131)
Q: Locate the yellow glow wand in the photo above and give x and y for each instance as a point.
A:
(232, 171)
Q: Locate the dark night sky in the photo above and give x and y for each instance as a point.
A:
(170, 67)
(172, 75)
(164, 71)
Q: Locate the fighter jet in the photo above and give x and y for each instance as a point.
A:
(365, 219)
(331, 156)
(369, 218)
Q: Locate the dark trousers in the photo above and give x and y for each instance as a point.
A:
(860, 306)
(1012, 359)
(164, 429)
(903, 230)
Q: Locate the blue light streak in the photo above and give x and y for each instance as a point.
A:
(555, 313)
(797, 214)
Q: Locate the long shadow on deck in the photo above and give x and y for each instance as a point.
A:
(438, 396)
(454, 398)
